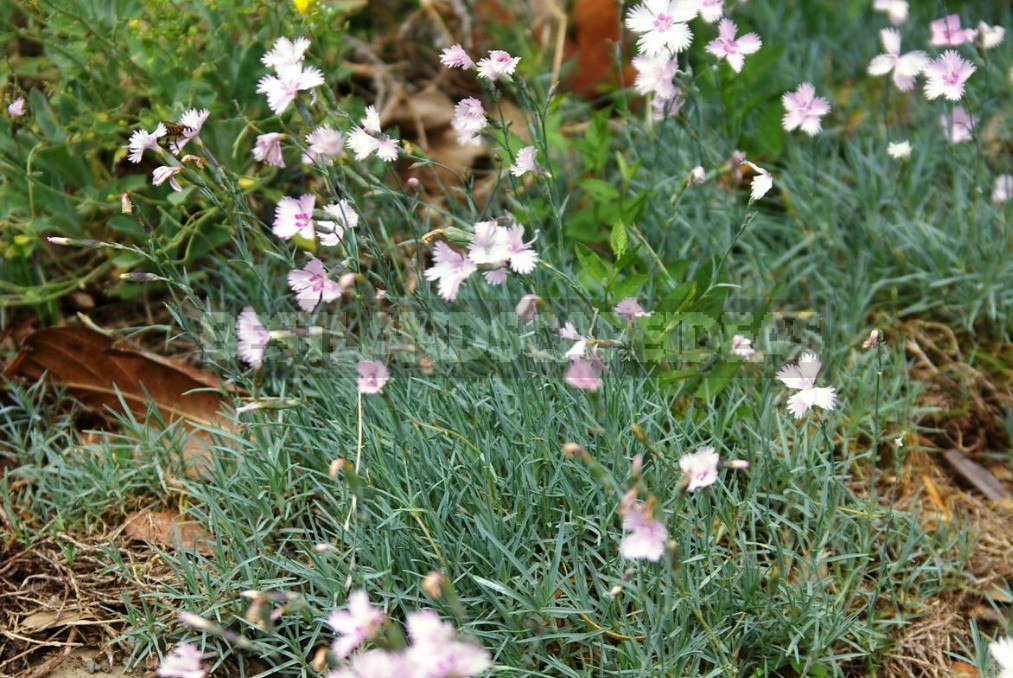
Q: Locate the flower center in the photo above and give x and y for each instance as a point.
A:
(663, 22)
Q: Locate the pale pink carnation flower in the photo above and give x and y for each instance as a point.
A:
(662, 25)
(374, 664)
(733, 50)
(583, 374)
(268, 149)
(331, 232)
(711, 10)
(253, 337)
(323, 144)
(958, 126)
(897, 10)
(801, 377)
(527, 307)
(1002, 188)
(160, 174)
(525, 162)
(700, 468)
(646, 537)
(455, 57)
(183, 662)
(450, 268)
(991, 36)
(285, 52)
(497, 65)
(489, 245)
(873, 340)
(282, 89)
(579, 348)
(743, 347)
(140, 141)
(697, 175)
(354, 626)
(947, 75)
(373, 376)
(667, 108)
(294, 215)
(655, 76)
(436, 653)
(905, 67)
(16, 108)
(946, 32)
(1002, 651)
(469, 120)
(803, 109)
(192, 120)
(367, 139)
(312, 286)
(761, 183)
(521, 257)
(630, 309)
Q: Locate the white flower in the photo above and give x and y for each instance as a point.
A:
(743, 347)
(345, 217)
(1002, 651)
(192, 120)
(711, 10)
(253, 337)
(905, 67)
(900, 150)
(367, 139)
(662, 25)
(655, 75)
(324, 144)
(469, 120)
(498, 64)
(990, 36)
(525, 162)
(1002, 189)
(16, 108)
(160, 174)
(285, 52)
(281, 89)
(450, 268)
(700, 468)
(957, 127)
(802, 378)
(897, 10)
(268, 149)
(141, 141)
(761, 183)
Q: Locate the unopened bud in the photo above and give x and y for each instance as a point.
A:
(738, 464)
(697, 175)
(571, 450)
(140, 276)
(432, 584)
(336, 467)
(527, 307)
(196, 621)
(872, 341)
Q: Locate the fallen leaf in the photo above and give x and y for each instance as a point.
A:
(47, 619)
(167, 530)
(977, 475)
(105, 374)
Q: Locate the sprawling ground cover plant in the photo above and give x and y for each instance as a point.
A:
(581, 408)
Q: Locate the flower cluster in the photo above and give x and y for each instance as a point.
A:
(434, 652)
(498, 65)
(290, 75)
(494, 248)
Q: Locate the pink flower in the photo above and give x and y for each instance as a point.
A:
(373, 664)
(579, 348)
(345, 217)
(803, 109)
(489, 245)
(761, 183)
(801, 377)
(733, 51)
(667, 108)
(631, 309)
(192, 120)
(16, 108)
(700, 468)
(469, 120)
(455, 57)
(522, 258)
(897, 10)
(160, 174)
(367, 139)
(140, 141)
(183, 662)
(655, 76)
(436, 653)
(904, 68)
(947, 75)
(872, 341)
(583, 374)
(450, 268)
(356, 625)
(743, 347)
(957, 128)
(312, 285)
(947, 32)
(253, 337)
(662, 25)
(711, 10)
(268, 149)
(285, 52)
(324, 144)
(373, 376)
(646, 537)
(294, 215)
(527, 307)
(282, 89)
(498, 64)
(525, 162)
